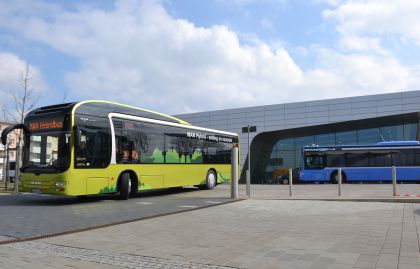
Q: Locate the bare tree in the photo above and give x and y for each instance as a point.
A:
(24, 100)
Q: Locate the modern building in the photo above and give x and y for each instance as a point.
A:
(283, 129)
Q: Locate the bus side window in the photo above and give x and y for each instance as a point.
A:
(315, 161)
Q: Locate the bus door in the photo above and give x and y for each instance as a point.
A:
(92, 156)
(316, 163)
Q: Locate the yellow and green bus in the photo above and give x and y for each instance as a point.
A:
(101, 147)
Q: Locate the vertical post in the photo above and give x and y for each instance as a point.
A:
(17, 167)
(4, 168)
(394, 181)
(7, 167)
(234, 175)
(248, 172)
(340, 180)
(290, 182)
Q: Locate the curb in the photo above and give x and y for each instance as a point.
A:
(405, 199)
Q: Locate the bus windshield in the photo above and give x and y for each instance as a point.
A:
(46, 151)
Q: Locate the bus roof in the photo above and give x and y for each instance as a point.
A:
(101, 108)
(382, 145)
(393, 143)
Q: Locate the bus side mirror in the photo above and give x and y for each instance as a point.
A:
(7, 130)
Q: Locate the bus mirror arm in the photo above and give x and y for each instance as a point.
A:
(7, 130)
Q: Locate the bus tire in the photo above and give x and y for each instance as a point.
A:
(334, 177)
(134, 186)
(124, 186)
(211, 180)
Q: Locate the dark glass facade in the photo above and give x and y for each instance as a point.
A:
(275, 152)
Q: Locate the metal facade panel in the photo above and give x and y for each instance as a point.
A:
(411, 107)
(254, 120)
(310, 109)
(411, 100)
(362, 104)
(338, 106)
(361, 116)
(302, 114)
(255, 114)
(338, 118)
(396, 109)
(389, 102)
(274, 117)
(218, 118)
(365, 110)
(315, 114)
(340, 112)
(293, 116)
(316, 103)
(294, 110)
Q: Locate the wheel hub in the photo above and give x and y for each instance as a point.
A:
(211, 179)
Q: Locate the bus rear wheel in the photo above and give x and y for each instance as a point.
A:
(334, 177)
(124, 186)
(211, 180)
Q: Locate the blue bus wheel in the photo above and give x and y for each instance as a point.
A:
(334, 177)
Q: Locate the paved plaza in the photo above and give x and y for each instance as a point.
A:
(35, 215)
(261, 232)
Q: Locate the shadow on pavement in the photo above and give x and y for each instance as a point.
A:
(56, 200)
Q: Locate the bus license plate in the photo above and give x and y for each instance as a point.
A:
(37, 191)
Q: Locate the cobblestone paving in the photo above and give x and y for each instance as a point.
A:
(103, 257)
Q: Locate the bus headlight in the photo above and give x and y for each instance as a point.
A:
(60, 184)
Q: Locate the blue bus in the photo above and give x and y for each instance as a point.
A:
(361, 163)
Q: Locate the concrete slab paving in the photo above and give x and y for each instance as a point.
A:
(268, 231)
(246, 234)
(356, 192)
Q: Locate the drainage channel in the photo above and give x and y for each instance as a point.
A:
(110, 258)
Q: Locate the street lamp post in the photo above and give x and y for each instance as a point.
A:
(249, 129)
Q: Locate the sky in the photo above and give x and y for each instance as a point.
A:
(182, 56)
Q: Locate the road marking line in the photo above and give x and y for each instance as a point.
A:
(144, 203)
(188, 206)
(213, 202)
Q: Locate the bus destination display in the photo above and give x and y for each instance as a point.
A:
(46, 125)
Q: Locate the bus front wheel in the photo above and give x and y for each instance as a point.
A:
(124, 186)
(334, 177)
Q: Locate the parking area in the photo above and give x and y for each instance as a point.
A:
(246, 234)
(271, 230)
(28, 215)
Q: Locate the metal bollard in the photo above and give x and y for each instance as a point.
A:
(340, 180)
(234, 175)
(248, 183)
(290, 182)
(17, 167)
(394, 181)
